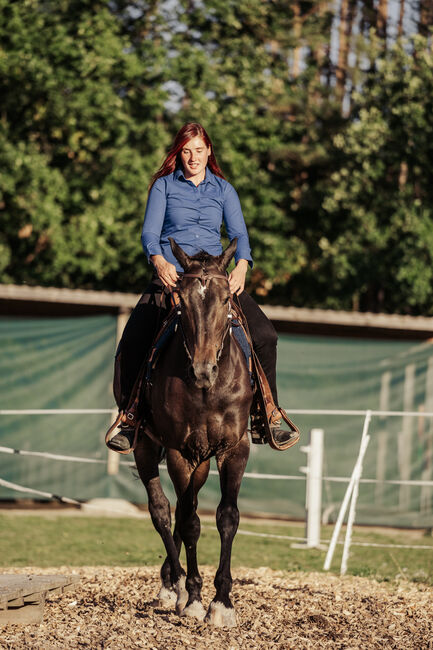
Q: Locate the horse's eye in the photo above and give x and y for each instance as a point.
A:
(226, 300)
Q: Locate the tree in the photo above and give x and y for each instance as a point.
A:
(80, 133)
(378, 248)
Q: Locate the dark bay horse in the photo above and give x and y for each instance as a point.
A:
(199, 405)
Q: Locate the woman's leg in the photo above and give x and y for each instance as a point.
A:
(134, 345)
(264, 339)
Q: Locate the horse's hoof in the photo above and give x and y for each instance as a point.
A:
(182, 595)
(220, 615)
(195, 610)
(166, 598)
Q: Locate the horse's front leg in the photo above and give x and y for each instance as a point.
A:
(231, 467)
(187, 483)
(146, 457)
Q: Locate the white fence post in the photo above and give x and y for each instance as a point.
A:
(313, 497)
(355, 478)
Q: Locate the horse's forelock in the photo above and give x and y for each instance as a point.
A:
(207, 262)
(202, 257)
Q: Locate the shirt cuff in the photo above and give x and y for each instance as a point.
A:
(151, 245)
(243, 250)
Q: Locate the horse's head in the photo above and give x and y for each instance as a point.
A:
(205, 309)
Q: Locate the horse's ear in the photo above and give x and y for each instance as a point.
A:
(226, 256)
(183, 259)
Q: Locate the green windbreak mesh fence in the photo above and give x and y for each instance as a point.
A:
(58, 363)
(67, 363)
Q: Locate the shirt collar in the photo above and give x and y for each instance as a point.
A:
(209, 178)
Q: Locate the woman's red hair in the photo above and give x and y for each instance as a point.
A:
(184, 135)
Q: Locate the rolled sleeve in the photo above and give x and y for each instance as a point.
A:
(154, 219)
(235, 224)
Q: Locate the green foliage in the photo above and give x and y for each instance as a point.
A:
(378, 244)
(80, 138)
(338, 208)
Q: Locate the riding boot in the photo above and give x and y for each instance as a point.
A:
(122, 440)
(281, 439)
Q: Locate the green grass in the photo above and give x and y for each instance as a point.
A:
(57, 540)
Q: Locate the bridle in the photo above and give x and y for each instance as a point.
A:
(204, 278)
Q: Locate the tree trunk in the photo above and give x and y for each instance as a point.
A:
(382, 18)
(340, 73)
(347, 14)
(297, 29)
(425, 16)
(400, 19)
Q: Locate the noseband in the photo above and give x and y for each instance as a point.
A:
(204, 279)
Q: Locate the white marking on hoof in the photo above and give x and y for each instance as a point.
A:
(166, 598)
(182, 594)
(220, 615)
(195, 610)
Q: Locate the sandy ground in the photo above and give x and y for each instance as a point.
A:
(113, 608)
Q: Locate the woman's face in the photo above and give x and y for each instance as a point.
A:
(194, 157)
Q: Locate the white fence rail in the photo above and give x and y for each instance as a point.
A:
(313, 473)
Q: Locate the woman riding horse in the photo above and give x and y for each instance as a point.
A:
(188, 200)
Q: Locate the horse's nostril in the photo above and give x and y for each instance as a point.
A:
(214, 370)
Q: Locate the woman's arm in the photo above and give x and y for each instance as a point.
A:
(151, 234)
(235, 226)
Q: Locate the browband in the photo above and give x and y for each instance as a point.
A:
(205, 277)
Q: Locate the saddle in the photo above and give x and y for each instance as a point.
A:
(263, 410)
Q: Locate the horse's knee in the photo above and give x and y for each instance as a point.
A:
(227, 519)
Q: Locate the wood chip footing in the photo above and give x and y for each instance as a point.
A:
(113, 608)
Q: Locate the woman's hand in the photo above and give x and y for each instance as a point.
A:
(237, 277)
(166, 271)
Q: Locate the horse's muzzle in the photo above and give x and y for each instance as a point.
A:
(204, 374)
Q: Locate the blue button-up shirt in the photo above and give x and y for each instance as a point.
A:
(193, 215)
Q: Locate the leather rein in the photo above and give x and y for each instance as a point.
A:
(204, 279)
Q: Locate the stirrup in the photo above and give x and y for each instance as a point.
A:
(110, 434)
(276, 416)
(261, 429)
